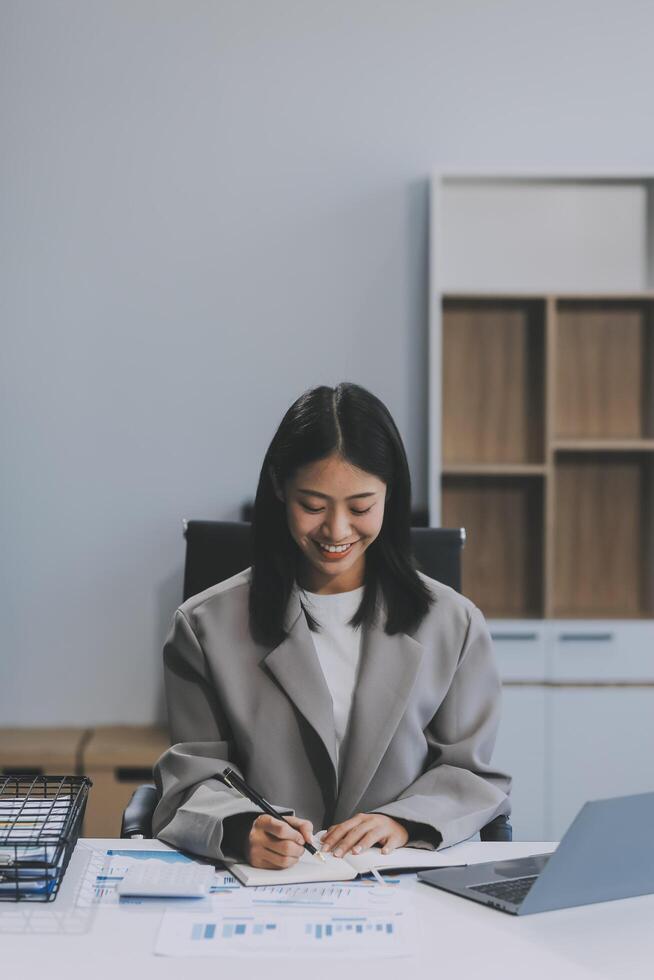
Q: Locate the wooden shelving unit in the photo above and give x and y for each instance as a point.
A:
(541, 444)
(541, 413)
(548, 452)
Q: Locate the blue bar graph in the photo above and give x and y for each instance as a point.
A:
(230, 929)
(356, 926)
(203, 930)
(341, 929)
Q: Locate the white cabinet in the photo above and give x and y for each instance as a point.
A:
(520, 751)
(540, 445)
(577, 719)
(520, 650)
(600, 715)
(601, 744)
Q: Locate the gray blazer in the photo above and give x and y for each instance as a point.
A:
(422, 727)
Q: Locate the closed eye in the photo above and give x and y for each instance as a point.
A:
(318, 510)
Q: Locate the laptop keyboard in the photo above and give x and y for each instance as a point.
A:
(513, 890)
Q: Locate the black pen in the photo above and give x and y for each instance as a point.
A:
(234, 781)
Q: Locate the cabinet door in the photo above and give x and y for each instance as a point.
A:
(520, 752)
(601, 744)
(601, 650)
(520, 649)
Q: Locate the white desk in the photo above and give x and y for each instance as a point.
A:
(459, 940)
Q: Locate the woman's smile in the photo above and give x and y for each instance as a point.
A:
(331, 552)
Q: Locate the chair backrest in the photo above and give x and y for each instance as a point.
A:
(216, 550)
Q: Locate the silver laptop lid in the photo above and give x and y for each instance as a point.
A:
(607, 853)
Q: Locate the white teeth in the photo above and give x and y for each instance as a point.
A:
(334, 548)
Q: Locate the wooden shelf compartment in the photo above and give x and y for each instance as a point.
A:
(493, 391)
(503, 556)
(604, 365)
(603, 536)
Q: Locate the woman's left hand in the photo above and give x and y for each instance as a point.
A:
(361, 832)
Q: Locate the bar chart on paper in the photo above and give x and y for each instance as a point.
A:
(291, 933)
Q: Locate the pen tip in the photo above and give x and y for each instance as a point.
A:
(321, 856)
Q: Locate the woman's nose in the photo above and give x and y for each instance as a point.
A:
(336, 527)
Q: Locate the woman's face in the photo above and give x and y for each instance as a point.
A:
(331, 503)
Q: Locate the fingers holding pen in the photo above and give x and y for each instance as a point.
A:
(305, 828)
(272, 843)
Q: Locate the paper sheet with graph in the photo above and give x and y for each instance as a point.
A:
(331, 918)
(319, 920)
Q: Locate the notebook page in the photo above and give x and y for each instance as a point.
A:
(401, 857)
(467, 852)
(308, 868)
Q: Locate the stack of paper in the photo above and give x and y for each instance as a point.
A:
(27, 868)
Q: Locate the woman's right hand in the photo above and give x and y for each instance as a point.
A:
(273, 844)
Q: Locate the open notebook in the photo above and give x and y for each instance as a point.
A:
(311, 868)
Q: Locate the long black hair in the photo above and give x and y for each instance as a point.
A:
(355, 424)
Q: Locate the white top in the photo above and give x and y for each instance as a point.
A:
(339, 650)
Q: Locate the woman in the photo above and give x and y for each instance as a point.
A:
(349, 689)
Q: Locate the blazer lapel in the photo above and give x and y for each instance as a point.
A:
(389, 665)
(295, 666)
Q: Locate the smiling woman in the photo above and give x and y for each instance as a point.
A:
(334, 535)
(333, 675)
(332, 513)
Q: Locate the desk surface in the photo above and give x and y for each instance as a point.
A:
(610, 940)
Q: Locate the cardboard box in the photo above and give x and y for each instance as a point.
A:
(42, 751)
(117, 758)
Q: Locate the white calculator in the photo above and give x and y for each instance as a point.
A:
(165, 879)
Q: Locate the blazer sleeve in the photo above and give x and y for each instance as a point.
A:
(459, 792)
(193, 805)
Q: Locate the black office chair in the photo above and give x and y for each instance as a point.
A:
(216, 550)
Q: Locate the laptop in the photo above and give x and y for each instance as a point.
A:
(607, 853)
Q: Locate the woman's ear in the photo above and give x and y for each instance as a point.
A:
(276, 487)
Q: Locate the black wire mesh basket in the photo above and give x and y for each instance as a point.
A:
(40, 821)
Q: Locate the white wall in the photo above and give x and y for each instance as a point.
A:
(207, 207)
